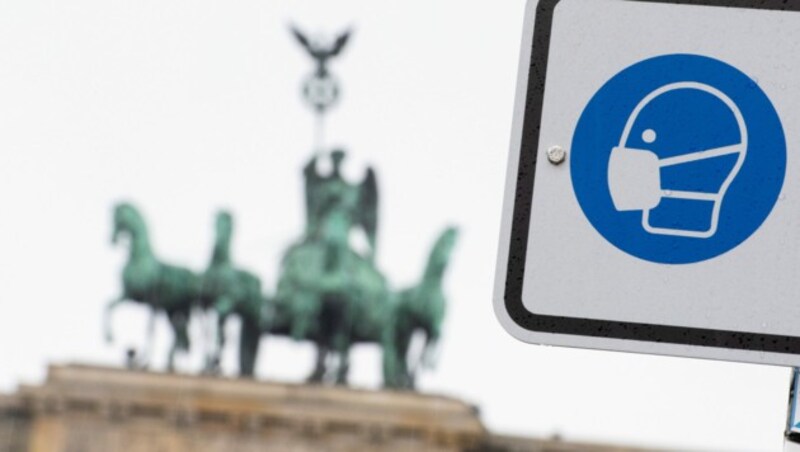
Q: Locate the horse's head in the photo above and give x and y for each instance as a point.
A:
(127, 220)
(224, 225)
(442, 249)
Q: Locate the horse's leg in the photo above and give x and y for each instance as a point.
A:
(411, 370)
(107, 317)
(248, 348)
(179, 321)
(214, 357)
(395, 348)
(341, 346)
(343, 370)
(318, 374)
(148, 348)
(427, 358)
(223, 308)
(209, 344)
(403, 374)
(389, 353)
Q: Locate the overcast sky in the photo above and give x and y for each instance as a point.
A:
(184, 107)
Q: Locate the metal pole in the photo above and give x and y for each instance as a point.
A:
(791, 436)
(319, 132)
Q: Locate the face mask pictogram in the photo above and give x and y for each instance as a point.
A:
(678, 159)
(634, 175)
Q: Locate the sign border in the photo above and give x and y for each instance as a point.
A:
(514, 248)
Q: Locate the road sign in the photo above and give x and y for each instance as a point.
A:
(653, 201)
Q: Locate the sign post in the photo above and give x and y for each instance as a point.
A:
(653, 197)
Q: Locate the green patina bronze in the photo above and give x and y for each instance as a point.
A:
(418, 309)
(232, 291)
(145, 279)
(324, 280)
(335, 296)
(322, 264)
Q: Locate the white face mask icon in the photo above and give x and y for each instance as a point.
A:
(634, 175)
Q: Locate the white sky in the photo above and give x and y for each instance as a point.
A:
(188, 106)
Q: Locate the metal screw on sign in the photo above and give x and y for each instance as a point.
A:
(556, 155)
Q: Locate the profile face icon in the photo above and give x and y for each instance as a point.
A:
(678, 159)
(682, 147)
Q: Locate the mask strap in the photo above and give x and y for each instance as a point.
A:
(701, 155)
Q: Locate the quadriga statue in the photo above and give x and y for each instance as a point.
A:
(328, 292)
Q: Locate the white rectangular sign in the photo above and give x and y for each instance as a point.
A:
(653, 197)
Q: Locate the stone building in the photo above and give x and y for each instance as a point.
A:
(92, 409)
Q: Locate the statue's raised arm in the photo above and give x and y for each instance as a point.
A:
(312, 183)
(367, 212)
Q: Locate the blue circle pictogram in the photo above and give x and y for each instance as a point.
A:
(678, 159)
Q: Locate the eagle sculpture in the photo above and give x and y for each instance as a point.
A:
(320, 53)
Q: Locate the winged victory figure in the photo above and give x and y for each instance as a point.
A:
(335, 207)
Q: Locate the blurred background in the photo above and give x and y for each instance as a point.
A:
(185, 107)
